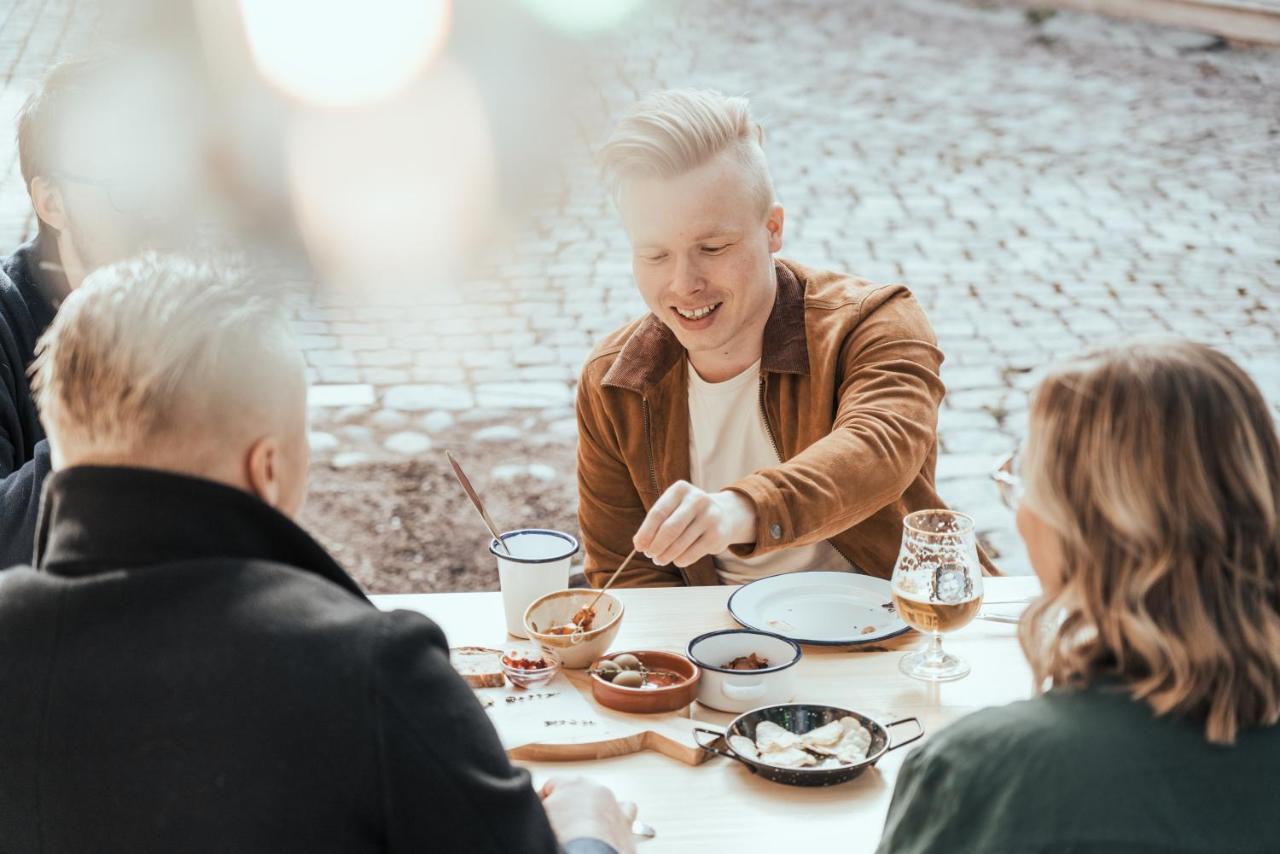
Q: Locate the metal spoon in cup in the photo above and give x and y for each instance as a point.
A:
(476, 502)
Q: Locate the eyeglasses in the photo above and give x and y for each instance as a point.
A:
(125, 197)
(1008, 481)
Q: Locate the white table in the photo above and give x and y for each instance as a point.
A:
(720, 805)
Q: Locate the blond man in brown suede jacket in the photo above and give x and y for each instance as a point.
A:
(764, 417)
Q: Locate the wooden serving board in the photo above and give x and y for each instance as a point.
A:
(672, 738)
(572, 726)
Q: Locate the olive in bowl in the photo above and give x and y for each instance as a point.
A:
(645, 681)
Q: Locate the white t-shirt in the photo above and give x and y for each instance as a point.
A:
(728, 440)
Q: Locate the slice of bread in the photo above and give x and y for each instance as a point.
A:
(480, 666)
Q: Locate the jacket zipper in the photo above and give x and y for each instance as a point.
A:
(648, 446)
(764, 416)
(768, 429)
(852, 564)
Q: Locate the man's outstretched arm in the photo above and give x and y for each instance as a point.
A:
(610, 510)
(885, 426)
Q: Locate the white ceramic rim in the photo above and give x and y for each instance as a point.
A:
(570, 538)
(777, 668)
(858, 641)
(587, 635)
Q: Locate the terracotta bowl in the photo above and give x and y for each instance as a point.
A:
(647, 701)
(577, 652)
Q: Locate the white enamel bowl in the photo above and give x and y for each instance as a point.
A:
(740, 690)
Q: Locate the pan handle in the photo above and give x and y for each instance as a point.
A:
(710, 747)
(895, 745)
(729, 754)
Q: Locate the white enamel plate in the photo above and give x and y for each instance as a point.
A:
(834, 608)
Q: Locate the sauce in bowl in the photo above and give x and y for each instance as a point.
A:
(662, 678)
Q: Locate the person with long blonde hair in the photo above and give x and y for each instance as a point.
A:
(1151, 513)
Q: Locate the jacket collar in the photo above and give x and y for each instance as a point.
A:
(97, 519)
(36, 270)
(653, 349)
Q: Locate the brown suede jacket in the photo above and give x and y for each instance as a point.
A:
(849, 389)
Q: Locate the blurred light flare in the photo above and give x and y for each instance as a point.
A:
(395, 192)
(335, 52)
(581, 17)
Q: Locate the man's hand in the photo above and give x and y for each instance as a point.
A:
(687, 524)
(580, 808)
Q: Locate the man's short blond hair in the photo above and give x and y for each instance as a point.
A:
(671, 132)
(161, 355)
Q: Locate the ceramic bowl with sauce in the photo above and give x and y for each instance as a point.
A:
(552, 614)
(671, 684)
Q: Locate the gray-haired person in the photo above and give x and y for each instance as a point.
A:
(185, 669)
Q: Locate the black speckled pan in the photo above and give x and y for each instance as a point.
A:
(801, 718)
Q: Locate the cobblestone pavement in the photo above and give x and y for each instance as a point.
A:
(1040, 187)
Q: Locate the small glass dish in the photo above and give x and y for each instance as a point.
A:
(526, 676)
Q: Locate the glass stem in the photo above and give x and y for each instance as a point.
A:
(935, 648)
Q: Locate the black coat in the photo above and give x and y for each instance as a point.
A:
(188, 671)
(29, 294)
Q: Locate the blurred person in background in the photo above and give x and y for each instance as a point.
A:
(765, 416)
(94, 179)
(1151, 512)
(186, 669)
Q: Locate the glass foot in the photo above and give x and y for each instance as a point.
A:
(933, 665)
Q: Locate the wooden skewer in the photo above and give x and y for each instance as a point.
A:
(612, 578)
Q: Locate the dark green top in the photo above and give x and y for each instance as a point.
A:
(1090, 771)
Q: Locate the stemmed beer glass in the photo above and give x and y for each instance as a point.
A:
(937, 587)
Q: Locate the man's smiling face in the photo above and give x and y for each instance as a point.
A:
(702, 245)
